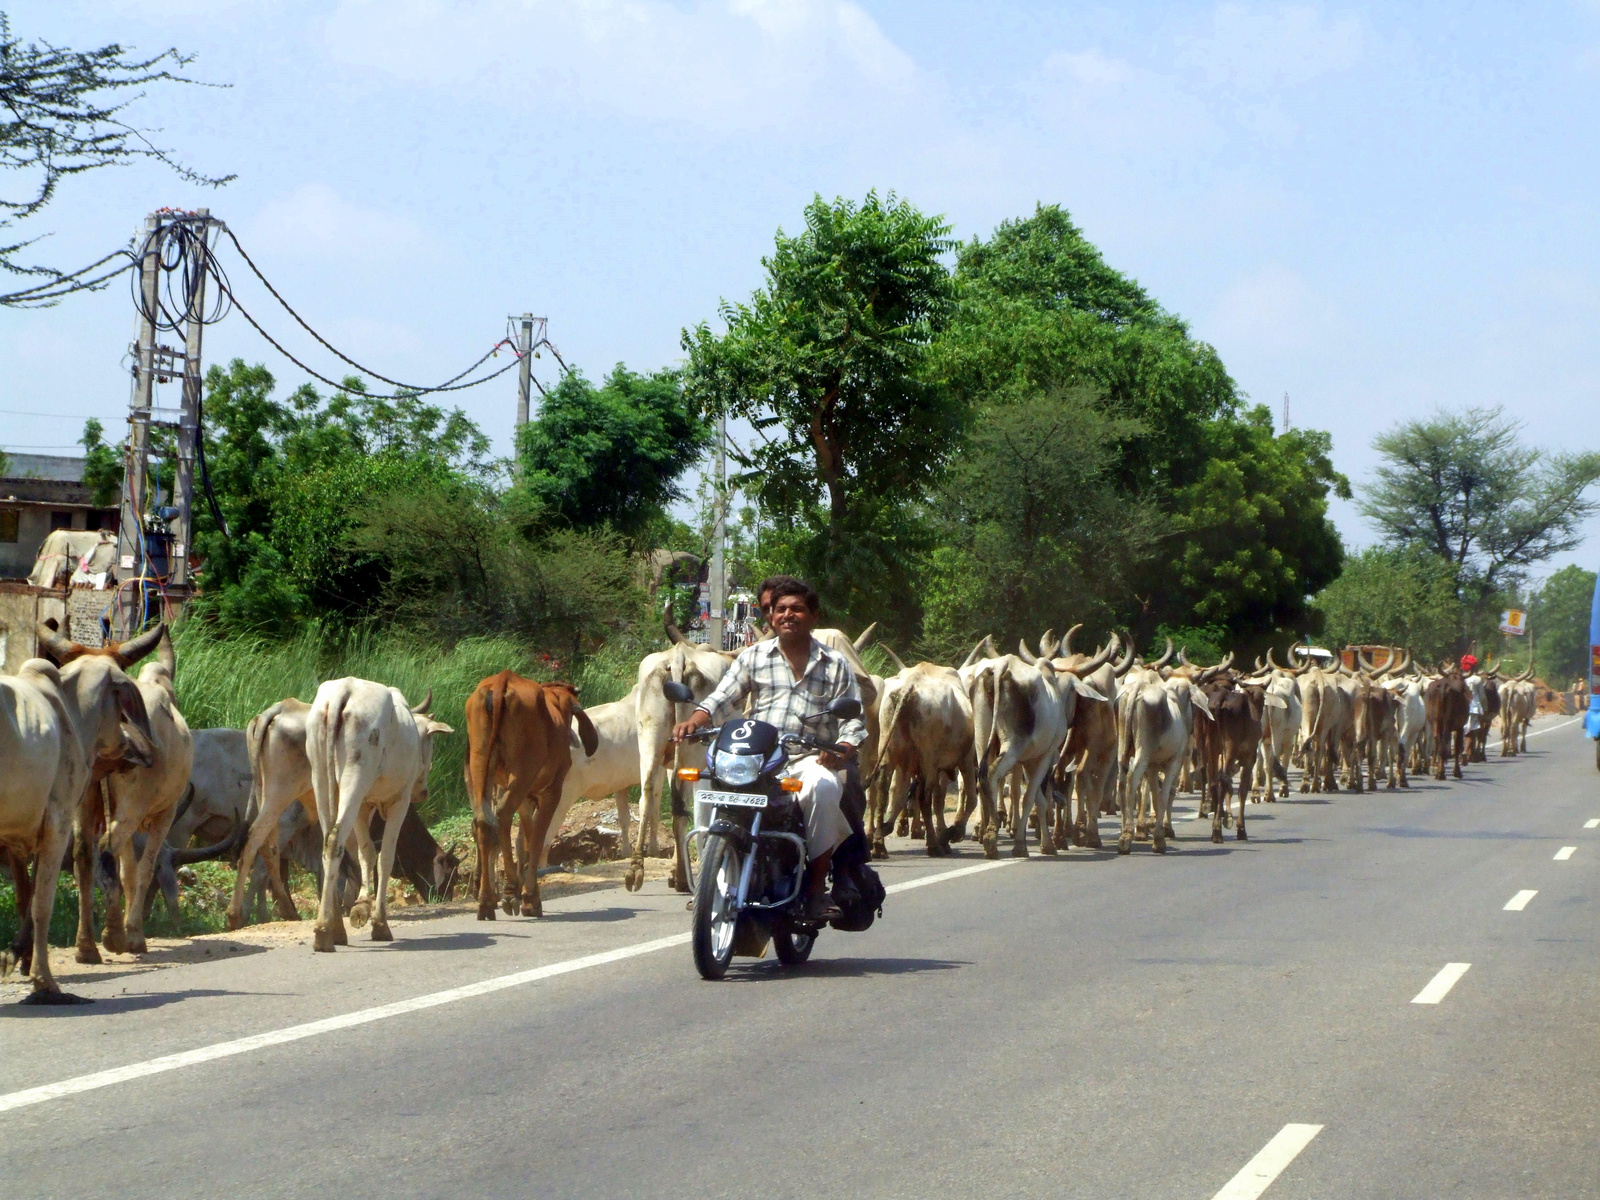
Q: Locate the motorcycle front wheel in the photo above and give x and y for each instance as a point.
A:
(793, 947)
(715, 899)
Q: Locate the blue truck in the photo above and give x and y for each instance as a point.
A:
(1591, 720)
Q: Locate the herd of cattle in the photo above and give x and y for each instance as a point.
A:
(1036, 745)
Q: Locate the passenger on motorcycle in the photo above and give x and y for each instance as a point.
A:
(790, 677)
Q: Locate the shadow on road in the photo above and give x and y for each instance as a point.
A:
(86, 1007)
(847, 968)
(599, 914)
(1415, 831)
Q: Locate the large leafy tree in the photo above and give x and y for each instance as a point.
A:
(609, 456)
(61, 115)
(1558, 616)
(827, 362)
(1463, 486)
(1394, 597)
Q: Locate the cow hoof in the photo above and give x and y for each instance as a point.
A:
(360, 913)
(340, 937)
(532, 908)
(879, 851)
(322, 941)
(53, 995)
(486, 912)
(1125, 845)
(138, 947)
(511, 906)
(380, 932)
(903, 829)
(1019, 851)
(1097, 844)
(991, 848)
(114, 942)
(1243, 836)
(88, 954)
(1049, 848)
(1216, 837)
(1160, 847)
(957, 833)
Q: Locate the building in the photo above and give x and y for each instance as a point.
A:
(38, 493)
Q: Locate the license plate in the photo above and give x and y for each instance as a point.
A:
(732, 799)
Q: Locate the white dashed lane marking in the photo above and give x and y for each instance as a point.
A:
(1565, 853)
(1592, 823)
(1520, 901)
(1261, 1170)
(1439, 986)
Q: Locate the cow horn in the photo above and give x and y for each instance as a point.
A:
(1183, 656)
(1364, 663)
(182, 857)
(1165, 658)
(674, 634)
(427, 703)
(61, 650)
(1027, 655)
(866, 636)
(977, 653)
(988, 642)
(1121, 668)
(1101, 657)
(164, 653)
(1066, 642)
(1260, 666)
(132, 650)
(893, 657)
(1048, 645)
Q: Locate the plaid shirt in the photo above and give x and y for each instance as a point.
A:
(781, 699)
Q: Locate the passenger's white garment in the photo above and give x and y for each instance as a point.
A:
(821, 790)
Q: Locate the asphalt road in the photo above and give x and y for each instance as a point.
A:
(1080, 1026)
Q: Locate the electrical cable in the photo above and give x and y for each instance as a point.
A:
(45, 291)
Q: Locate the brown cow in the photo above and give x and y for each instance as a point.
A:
(1448, 699)
(518, 748)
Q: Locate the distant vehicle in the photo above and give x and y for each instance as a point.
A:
(1591, 720)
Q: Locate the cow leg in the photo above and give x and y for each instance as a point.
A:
(1161, 823)
(83, 873)
(337, 815)
(1246, 782)
(1219, 805)
(486, 833)
(265, 826)
(623, 817)
(47, 870)
(392, 822)
(367, 856)
(277, 881)
(511, 888)
(544, 811)
(136, 889)
(20, 953)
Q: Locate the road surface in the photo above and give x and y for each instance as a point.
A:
(1227, 1021)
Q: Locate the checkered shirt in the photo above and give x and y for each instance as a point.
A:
(780, 699)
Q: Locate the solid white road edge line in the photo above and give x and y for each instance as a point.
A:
(1520, 901)
(1261, 1170)
(1565, 853)
(1592, 823)
(364, 1016)
(1439, 986)
(1542, 732)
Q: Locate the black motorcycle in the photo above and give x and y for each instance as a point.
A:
(751, 886)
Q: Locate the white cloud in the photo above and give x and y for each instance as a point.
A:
(717, 65)
(314, 221)
(1111, 106)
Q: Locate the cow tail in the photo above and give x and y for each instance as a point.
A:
(983, 702)
(886, 729)
(494, 704)
(256, 742)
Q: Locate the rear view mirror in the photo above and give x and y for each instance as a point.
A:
(846, 708)
(678, 692)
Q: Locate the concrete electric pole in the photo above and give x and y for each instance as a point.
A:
(129, 609)
(182, 526)
(525, 371)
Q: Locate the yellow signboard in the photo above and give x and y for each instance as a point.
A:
(1514, 621)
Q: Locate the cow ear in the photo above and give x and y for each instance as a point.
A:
(433, 727)
(1198, 698)
(1089, 691)
(1275, 701)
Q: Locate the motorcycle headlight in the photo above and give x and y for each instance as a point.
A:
(735, 768)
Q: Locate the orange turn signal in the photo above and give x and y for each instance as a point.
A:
(691, 774)
(789, 785)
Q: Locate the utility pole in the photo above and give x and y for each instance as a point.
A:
(129, 609)
(719, 567)
(525, 371)
(1286, 412)
(182, 525)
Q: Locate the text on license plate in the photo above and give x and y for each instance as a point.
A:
(735, 799)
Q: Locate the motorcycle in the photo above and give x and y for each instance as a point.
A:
(751, 883)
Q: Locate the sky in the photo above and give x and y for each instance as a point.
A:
(1378, 210)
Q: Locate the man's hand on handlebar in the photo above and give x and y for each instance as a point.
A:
(698, 719)
(837, 760)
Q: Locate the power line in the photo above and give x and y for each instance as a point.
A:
(15, 412)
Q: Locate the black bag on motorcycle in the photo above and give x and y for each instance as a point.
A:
(857, 890)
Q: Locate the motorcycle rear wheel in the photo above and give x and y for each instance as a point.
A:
(793, 948)
(716, 892)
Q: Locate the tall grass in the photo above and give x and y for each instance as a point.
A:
(226, 681)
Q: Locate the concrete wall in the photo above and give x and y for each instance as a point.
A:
(21, 609)
(33, 526)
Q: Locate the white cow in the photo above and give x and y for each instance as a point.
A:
(1281, 727)
(54, 724)
(1158, 720)
(1411, 723)
(925, 739)
(369, 751)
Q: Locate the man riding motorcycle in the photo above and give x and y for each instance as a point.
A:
(790, 677)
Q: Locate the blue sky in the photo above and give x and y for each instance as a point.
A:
(1377, 209)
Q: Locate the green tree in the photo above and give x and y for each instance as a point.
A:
(1463, 486)
(826, 361)
(1394, 596)
(1251, 537)
(1031, 532)
(61, 114)
(102, 468)
(610, 456)
(1558, 616)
